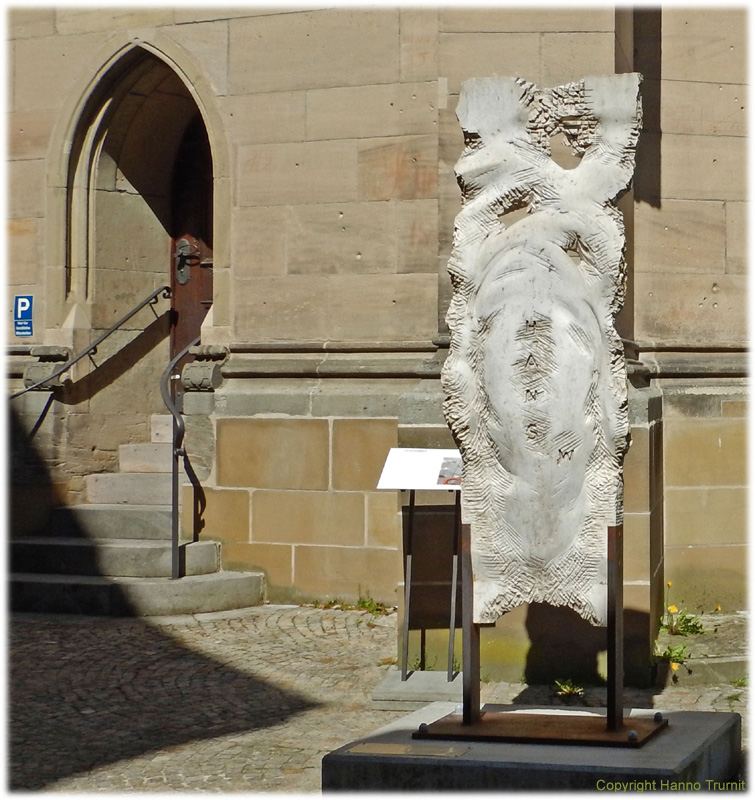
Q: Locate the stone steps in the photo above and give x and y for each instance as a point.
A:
(134, 558)
(105, 521)
(124, 488)
(128, 596)
(161, 428)
(112, 556)
(150, 457)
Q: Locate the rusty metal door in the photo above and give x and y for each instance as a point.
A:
(191, 237)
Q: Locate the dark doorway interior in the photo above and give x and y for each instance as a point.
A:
(191, 235)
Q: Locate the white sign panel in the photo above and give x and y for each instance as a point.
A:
(415, 468)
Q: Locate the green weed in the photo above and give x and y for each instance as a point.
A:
(363, 604)
(568, 688)
(373, 607)
(679, 622)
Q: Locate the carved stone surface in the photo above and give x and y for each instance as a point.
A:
(204, 374)
(535, 381)
(46, 352)
(50, 358)
(38, 374)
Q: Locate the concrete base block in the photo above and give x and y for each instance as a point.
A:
(701, 750)
(419, 689)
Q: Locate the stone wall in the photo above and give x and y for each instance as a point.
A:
(334, 138)
(705, 497)
(690, 194)
(296, 498)
(689, 281)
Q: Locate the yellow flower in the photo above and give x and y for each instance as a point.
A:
(668, 583)
(718, 608)
(673, 609)
(675, 667)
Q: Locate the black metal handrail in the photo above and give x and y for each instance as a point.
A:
(179, 430)
(92, 348)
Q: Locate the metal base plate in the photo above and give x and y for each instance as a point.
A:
(506, 726)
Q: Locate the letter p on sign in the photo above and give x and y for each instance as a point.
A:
(22, 314)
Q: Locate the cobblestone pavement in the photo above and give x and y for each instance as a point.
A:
(242, 701)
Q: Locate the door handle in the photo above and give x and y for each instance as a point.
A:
(185, 257)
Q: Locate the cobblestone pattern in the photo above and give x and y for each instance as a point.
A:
(243, 701)
(246, 702)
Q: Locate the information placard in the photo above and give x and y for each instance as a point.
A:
(417, 468)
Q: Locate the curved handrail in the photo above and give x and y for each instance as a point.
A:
(179, 430)
(152, 298)
(168, 400)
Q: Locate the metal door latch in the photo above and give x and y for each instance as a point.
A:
(185, 258)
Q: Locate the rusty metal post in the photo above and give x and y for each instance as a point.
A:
(407, 589)
(470, 636)
(454, 578)
(615, 704)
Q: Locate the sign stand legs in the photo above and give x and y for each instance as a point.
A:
(407, 590)
(409, 547)
(470, 636)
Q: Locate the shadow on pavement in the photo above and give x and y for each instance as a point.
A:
(87, 692)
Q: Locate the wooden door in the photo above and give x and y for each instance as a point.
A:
(191, 235)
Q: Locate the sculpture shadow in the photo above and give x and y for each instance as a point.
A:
(647, 61)
(565, 646)
(81, 696)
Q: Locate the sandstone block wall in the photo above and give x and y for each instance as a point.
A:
(705, 499)
(689, 266)
(334, 139)
(296, 498)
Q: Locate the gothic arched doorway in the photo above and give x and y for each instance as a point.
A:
(140, 212)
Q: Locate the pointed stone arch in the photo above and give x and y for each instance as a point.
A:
(96, 138)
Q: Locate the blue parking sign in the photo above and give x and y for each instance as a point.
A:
(22, 314)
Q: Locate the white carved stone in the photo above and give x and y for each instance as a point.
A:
(535, 381)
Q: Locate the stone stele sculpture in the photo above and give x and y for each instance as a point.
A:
(535, 381)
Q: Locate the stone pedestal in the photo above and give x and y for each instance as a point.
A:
(697, 751)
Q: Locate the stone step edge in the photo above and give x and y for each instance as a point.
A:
(87, 541)
(719, 659)
(712, 662)
(109, 521)
(157, 507)
(135, 597)
(100, 580)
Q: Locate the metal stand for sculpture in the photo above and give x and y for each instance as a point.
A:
(477, 725)
(535, 380)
